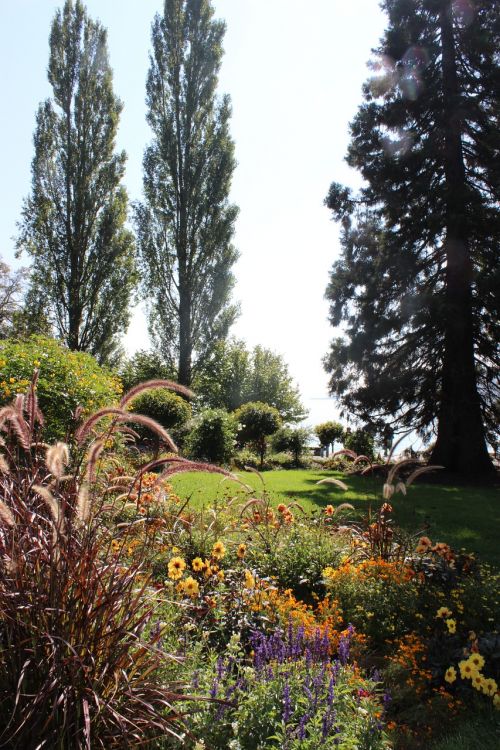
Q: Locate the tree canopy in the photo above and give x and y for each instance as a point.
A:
(186, 223)
(235, 375)
(415, 290)
(73, 222)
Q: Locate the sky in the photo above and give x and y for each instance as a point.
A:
(294, 71)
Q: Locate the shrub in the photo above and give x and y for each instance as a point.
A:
(328, 432)
(293, 439)
(66, 380)
(212, 437)
(166, 408)
(257, 422)
(361, 442)
(142, 366)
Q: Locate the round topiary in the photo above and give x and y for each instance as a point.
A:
(66, 380)
(165, 407)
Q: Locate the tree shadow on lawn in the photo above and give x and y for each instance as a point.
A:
(464, 517)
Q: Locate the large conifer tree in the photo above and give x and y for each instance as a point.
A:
(73, 221)
(417, 285)
(186, 223)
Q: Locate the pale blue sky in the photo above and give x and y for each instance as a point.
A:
(294, 71)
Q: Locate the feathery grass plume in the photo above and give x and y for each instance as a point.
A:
(18, 403)
(31, 402)
(421, 470)
(153, 425)
(372, 468)
(358, 459)
(92, 457)
(6, 515)
(395, 445)
(344, 506)
(395, 469)
(83, 431)
(345, 452)
(57, 457)
(4, 466)
(388, 491)
(254, 471)
(51, 503)
(400, 487)
(295, 504)
(251, 502)
(149, 385)
(337, 482)
(17, 423)
(83, 504)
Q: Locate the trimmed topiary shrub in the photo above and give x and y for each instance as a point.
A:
(212, 437)
(67, 379)
(167, 408)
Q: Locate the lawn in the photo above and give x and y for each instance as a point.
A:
(466, 517)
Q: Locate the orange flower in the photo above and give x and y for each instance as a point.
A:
(329, 510)
(242, 550)
(281, 508)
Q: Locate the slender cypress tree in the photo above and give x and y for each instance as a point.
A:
(73, 222)
(186, 223)
(417, 286)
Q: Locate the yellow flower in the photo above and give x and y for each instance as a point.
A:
(489, 686)
(467, 670)
(220, 575)
(191, 587)
(452, 626)
(450, 675)
(197, 564)
(444, 612)
(477, 681)
(477, 660)
(242, 550)
(218, 550)
(249, 580)
(176, 568)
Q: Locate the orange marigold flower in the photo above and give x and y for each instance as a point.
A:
(281, 507)
(241, 551)
(329, 510)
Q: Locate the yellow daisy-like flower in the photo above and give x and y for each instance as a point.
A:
(444, 612)
(477, 681)
(467, 670)
(477, 660)
(220, 575)
(218, 550)
(489, 686)
(191, 587)
(249, 580)
(197, 564)
(450, 675)
(176, 568)
(452, 626)
(241, 551)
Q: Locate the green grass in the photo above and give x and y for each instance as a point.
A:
(466, 517)
(475, 734)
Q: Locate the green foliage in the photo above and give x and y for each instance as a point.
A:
(257, 421)
(165, 407)
(414, 288)
(360, 441)
(328, 432)
(185, 233)
(235, 375)
(67, 380)
(141, 366)
(73, 223)
(212, 437)
(293, 439)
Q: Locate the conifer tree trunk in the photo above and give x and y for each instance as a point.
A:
(460, 444)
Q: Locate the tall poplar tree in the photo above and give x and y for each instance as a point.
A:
(417, 286)
(73, 223)
(186, 222)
